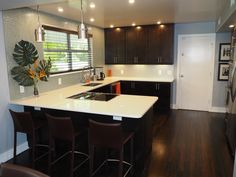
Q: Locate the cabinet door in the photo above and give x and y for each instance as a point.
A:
(154, 44)
(136, 45)
(167, 43)
(160, 44)
(126, 87)
(115, 46)
(130, 45)
(163, 92)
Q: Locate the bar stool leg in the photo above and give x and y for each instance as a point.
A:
(72, 158)
(50, 155)
(33, 151)
(15, 141)
(91, 154)
(121, 162)
(132, 150)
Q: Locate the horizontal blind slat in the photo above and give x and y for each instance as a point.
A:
(64, 57)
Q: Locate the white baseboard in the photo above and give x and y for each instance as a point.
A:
(218, 109)
(173, 106)
(9, 154)
(212, 109)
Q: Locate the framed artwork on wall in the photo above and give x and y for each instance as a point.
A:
(223, 72)
(224, 54)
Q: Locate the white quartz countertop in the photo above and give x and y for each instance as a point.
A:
(130, 106)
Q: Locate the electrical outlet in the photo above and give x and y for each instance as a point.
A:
(37, 108)
(117, 118)
(22, 89)
(59, 81)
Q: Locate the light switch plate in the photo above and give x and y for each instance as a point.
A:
(117, 118)
(22, 89)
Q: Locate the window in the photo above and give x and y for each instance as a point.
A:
(67, 52)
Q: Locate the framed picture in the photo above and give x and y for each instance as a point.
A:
(223, 72)
(224, 55)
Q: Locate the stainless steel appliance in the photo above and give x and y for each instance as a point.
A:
(231, 99)
(93, 96)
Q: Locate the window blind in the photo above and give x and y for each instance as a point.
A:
(67, 52)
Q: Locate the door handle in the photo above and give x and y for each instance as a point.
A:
(181, 75)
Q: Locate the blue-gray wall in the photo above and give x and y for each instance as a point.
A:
(6, 125)
(16, 25)
(20, 24)
(203, 28)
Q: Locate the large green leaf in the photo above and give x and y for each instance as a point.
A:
(21, 75)
(25, 53)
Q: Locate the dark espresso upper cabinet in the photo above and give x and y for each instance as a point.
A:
(136, 45)
(148, 44)
(115, 46)
(160, 44)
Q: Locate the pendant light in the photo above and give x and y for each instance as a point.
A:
(82, 29)
(39, 32)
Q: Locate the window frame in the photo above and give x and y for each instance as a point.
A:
(69, 50)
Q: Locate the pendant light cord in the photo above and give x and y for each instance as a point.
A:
(82, 17)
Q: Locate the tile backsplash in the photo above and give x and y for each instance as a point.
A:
(150, 71)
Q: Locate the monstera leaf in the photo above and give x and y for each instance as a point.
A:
(25, 53)
(21, 75)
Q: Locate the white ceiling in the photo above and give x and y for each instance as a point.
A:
(121, 13)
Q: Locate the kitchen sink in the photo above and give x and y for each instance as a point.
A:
(93, 96)
(92, 84)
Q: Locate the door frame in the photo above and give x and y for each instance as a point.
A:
(212, 68)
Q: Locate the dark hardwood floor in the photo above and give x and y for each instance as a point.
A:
(190, 144)
(185, 144)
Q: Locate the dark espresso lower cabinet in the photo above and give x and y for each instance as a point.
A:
(160, 89)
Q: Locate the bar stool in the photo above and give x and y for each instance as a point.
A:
(62, 129)
(111, 136)
(24, 123)
(10, 170)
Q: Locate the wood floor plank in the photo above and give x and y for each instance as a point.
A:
(190, 144)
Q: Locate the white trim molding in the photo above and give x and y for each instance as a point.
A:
(9, 154)
(218, 109)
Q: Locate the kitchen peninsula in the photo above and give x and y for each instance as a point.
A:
(135, 112)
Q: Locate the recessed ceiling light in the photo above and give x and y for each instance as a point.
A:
(92, 19)
(131, 1)
(60, 9)
(231, 26)
(159, 22)
(133, 24)
(111, 26)
(92, 5)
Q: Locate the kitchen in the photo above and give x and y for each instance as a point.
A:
(21, 20)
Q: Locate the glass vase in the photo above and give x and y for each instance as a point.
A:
(36, 91)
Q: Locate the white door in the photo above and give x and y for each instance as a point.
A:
(195, 71)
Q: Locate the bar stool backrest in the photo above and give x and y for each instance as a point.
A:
(22, 121)
(60, 127)
(105, 134)
(10, 170)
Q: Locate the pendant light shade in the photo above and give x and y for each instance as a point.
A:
(39, 32)
(82, 29)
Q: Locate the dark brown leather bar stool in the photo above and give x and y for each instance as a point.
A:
(62, 129)
(24, 123)
(10, 170)
(111, 136)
